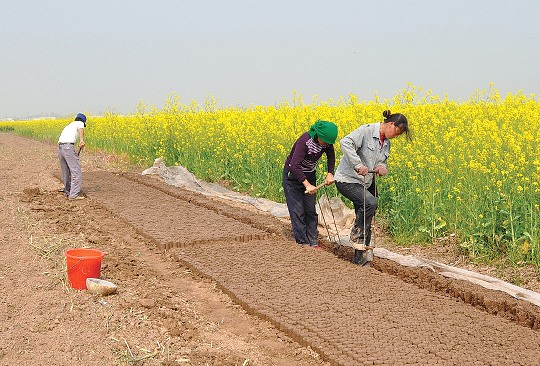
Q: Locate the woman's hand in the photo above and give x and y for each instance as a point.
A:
(311, 189)
(381, 170)
(329, 180)
(362, 170)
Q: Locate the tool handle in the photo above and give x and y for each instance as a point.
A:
(372, 171)
(366, 247)
(80, 149)
(317, 188)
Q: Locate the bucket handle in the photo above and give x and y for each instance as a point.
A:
(75, 265)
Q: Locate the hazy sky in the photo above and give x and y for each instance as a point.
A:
(65, 56)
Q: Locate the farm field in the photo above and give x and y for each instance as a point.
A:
(470, 173)
(234, 290)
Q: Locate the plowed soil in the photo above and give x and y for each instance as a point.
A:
(204, 282)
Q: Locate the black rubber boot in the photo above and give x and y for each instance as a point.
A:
(357, 256)
(356, 235)
(360, 258)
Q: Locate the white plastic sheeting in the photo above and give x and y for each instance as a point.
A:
(179, 176)
(338, 219)
(461, 274)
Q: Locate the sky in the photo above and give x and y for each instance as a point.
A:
(69, 56)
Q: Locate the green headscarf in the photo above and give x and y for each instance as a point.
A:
(326, 131)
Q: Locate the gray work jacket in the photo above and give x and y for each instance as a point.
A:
(362, 147)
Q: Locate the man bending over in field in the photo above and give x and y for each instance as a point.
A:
(69, 159)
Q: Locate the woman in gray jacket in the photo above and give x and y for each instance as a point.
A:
(366, 150)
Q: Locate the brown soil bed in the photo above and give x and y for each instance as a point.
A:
(352, 315)
(170, 221)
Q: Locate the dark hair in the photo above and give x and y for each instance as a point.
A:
(400, 121)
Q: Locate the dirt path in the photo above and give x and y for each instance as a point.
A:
(194, 303)
(163, 314)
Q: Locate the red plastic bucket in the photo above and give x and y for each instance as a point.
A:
(82, 264)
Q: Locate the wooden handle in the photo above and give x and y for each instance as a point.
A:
(317, 188)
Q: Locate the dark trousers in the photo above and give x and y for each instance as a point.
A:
(301, 208)
(355, 193)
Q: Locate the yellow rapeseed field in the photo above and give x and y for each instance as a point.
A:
(472, 169)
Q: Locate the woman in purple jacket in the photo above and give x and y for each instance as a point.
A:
(299, 178)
